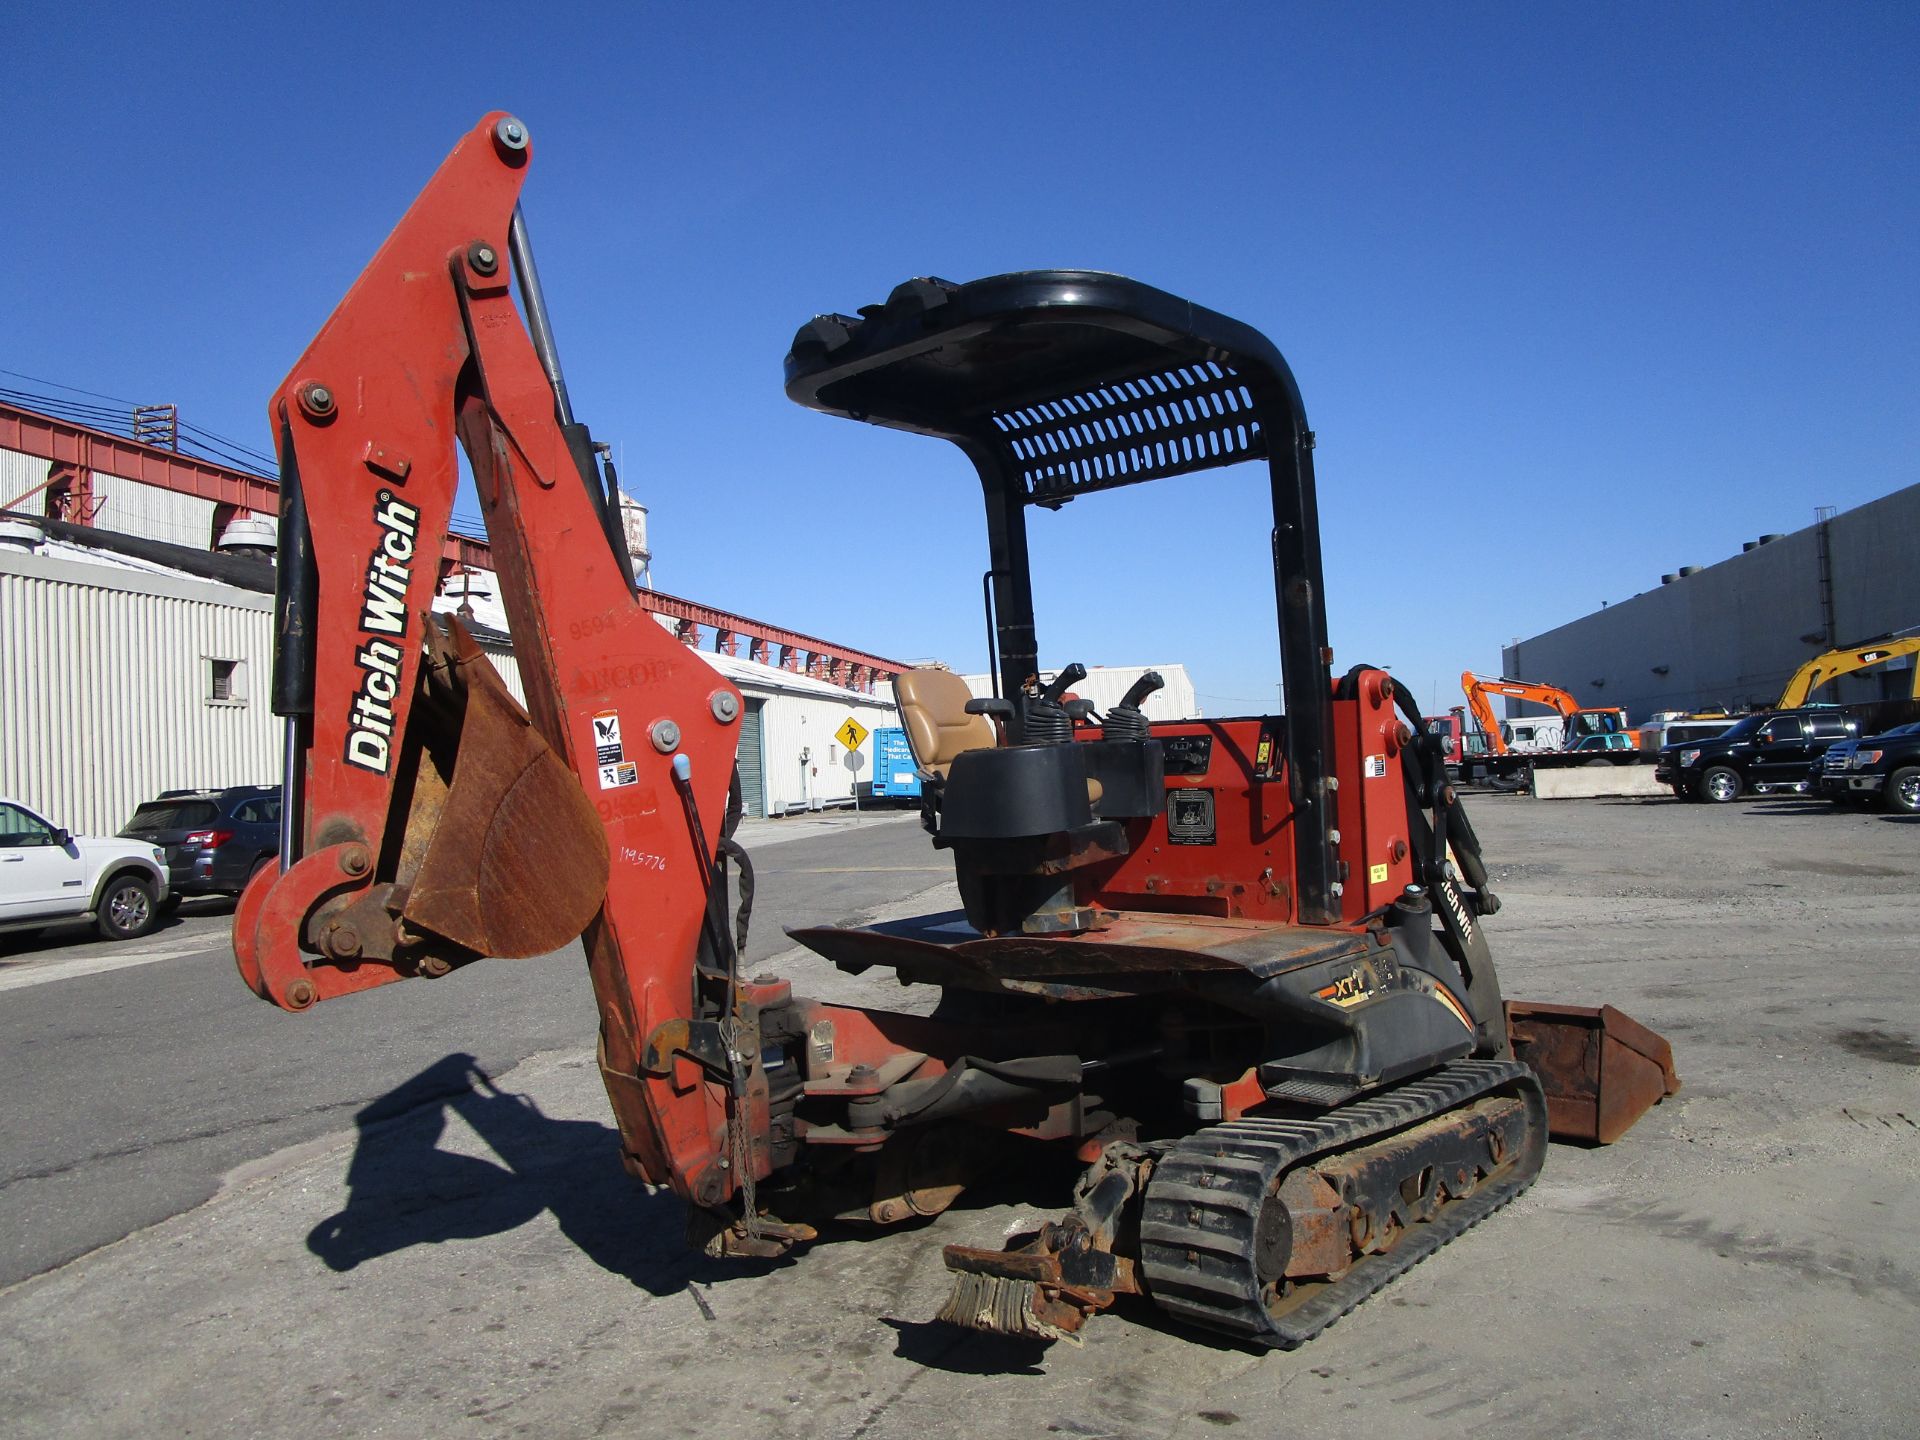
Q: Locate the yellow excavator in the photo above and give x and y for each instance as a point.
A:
(1826, 668)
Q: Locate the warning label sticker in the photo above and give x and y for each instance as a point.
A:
(621, 772)
(1376, 767)
(606, 742)
(1377, 875)
(1190, 817)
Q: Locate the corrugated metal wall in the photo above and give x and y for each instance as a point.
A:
(105, 676)
(146, 510)
(19, 474)
(104, 684)
(796, 725)
(126, 506)
(503, 661)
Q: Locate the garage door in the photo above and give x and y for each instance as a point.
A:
(753, 788)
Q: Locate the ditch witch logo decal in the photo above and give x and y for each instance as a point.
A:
(383, 612)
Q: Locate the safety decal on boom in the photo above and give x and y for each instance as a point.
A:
(610, 755)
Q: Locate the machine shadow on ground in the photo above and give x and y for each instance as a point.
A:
(405, 1190)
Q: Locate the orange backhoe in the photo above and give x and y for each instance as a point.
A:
(1236, 968)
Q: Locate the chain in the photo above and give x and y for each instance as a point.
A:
(739, 1143)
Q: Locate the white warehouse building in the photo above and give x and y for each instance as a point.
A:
(122, 676)
(790, 756)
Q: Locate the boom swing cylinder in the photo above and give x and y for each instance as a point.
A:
(1235, 966)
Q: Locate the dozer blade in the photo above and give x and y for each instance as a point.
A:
(509, 860)
(1601, 1069)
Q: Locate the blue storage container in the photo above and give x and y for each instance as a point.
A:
(893, 769)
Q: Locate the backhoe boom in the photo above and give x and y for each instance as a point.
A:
(433, 824)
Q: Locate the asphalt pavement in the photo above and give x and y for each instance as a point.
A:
(138, 1073)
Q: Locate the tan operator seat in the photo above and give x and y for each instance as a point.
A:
(933, 707)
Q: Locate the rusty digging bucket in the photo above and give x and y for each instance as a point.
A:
(503, 853)
(1602, 1070)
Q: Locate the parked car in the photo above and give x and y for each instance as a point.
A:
(1828, 773)
(48, 873)
(1832, 773)
(1656, 735)
(215, 840)
(1759, 755)
(1887, 767)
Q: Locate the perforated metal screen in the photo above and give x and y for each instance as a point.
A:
(1162, 422)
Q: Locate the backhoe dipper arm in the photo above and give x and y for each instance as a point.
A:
(431, 820)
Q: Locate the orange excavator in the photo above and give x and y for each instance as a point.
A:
(1235, 967)
(1579, 723)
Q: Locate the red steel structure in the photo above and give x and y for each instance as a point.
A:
(77, 453)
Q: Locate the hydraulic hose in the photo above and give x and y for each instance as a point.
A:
(734, 851)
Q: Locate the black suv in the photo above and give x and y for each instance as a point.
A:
(1757, 755)
(215, 839)
(1887, 767)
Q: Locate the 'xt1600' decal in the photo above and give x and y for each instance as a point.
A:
(383, 613)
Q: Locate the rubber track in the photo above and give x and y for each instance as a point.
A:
(1197, 1223)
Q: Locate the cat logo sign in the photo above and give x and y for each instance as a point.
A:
(851, 733)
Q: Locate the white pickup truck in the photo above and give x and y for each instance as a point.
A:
(49, 874)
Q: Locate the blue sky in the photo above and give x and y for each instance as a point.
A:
(1575, 295)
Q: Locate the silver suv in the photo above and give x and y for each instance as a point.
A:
(48, 874)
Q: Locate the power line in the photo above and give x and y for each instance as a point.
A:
(18, 375)
(189, 438)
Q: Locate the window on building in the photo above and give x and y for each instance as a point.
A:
(223, 683)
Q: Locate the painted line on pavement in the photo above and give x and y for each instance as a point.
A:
(861, 870)
(45, 974)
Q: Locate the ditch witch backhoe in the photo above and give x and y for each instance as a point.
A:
(1230, 965)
